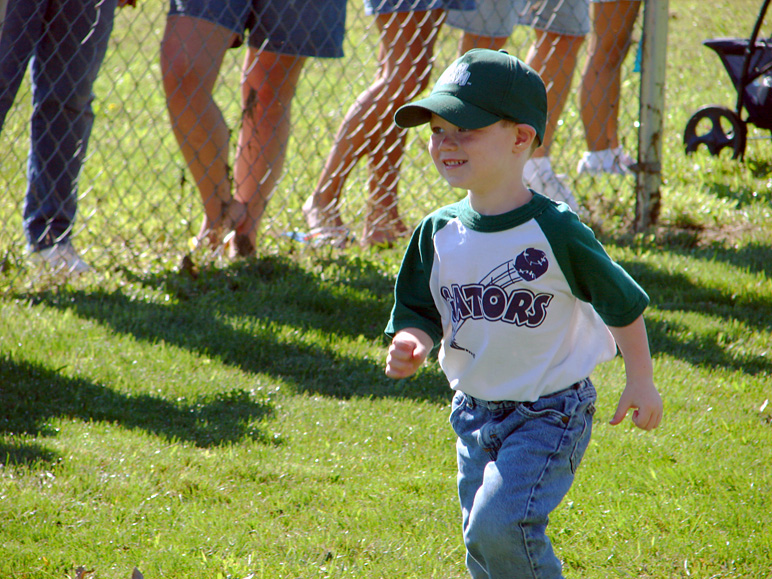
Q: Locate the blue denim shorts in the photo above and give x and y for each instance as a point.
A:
(373, 7)
(296, 27)
(498, 18)
(516, 462)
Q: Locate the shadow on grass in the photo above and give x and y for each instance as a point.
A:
(746, 195)
(33, 395)
(711, 347)
(25, 453)
(240, 315)
(279, 318)
(755, 257)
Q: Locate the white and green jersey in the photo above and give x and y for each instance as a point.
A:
(518, 302)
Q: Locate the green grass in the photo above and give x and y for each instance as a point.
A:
(235, 421)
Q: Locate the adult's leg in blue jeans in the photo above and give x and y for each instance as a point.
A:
(68, 54)
(23, 24)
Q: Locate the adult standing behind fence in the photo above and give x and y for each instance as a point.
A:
(408, 31)
(560, 27)
(282, 33)
(612, 25)
(66, 42)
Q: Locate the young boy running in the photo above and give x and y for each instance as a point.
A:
(524, 303)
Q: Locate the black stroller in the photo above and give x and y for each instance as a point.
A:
(749, 64)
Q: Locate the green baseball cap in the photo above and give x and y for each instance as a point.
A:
(479, 89)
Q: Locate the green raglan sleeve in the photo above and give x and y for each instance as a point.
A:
(591, 273)
(413, 302)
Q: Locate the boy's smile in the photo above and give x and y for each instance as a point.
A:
(483, 161)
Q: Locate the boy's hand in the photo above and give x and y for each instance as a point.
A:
(640, 392)
(407, 352)
(646, 401)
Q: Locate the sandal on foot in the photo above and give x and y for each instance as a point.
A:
(383, 238)
(338, 236)
(239, 245)
(320, 217)
(232, 214)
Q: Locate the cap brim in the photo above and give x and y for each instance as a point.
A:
(449, 107)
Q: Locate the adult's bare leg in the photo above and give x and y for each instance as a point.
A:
(192, 52)
(599, 91)
(269, 83)
(554, 56)
(469, 41)
(406, 50)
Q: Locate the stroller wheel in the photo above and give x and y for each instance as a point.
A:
(717, 128)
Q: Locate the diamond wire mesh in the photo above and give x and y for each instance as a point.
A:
(138, 205)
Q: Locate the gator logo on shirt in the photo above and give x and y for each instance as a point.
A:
(489, 300)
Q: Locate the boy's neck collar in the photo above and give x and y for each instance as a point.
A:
(488, 206)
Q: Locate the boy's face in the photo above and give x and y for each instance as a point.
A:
(478, 160)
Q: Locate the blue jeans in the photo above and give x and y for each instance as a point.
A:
(516, 462)
(66, 41)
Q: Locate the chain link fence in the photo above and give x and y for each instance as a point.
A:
(139, 203)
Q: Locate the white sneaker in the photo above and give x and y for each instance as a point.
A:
(613, 161)
(62, 258)
(539, 176)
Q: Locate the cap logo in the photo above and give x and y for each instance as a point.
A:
(455, 74)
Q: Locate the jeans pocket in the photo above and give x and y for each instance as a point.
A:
(456, 408)
(582, 440)
(554, 415)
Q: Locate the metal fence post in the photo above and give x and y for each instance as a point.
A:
(652, 107)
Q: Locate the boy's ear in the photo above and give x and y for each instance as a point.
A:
(525, 136)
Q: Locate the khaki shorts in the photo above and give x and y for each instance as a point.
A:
(498, 18)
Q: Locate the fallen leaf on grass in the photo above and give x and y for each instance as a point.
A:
(80, 573)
